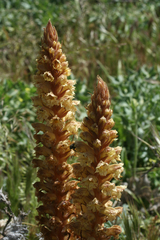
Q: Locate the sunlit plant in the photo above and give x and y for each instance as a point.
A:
(75, 200)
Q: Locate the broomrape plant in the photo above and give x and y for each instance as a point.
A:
(75, 200)
(98, 165)
(55, 110)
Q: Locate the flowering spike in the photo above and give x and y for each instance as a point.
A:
(56, 111)
(98, 165)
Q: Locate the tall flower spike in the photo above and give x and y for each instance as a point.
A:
(55, 111)
(98, 165)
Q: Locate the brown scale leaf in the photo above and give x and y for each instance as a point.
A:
(55, 111)
(95, 188)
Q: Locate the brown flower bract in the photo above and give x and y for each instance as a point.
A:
(55, 111)
(98, 165)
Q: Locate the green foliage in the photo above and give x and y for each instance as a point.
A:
(139, 225)
(83, 95)
(136, 104)
(20, 30)
(89, 31)
(108, 33)
(16, 145)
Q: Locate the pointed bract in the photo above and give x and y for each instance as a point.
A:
(95, 188)
(55, 111)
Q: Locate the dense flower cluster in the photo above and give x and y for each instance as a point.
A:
(98, 165)
(75, 200)
(55, 111)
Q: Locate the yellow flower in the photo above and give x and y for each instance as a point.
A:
(90, 182)
(102, 168)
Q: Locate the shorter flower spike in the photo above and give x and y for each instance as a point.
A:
(98, 165)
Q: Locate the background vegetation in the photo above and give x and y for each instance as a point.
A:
(118, 40)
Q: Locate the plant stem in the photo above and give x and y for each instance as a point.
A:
(136, 145)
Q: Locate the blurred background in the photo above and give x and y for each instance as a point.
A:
(116, 39)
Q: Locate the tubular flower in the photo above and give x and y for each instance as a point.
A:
(100, 164)
(55, 111)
